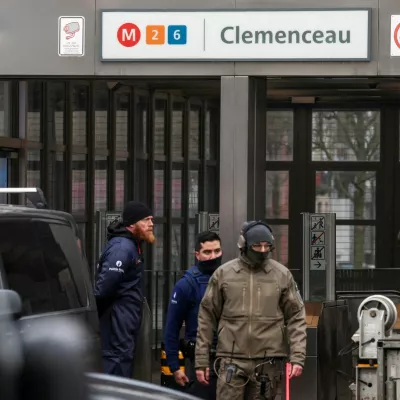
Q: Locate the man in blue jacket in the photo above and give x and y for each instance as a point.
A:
(184, 307)
(119, 288)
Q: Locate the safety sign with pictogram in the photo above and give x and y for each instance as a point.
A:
(317, 242)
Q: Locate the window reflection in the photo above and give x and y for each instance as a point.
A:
(5, 109)
(101, 99)
(349, 194)
(55, 112)
(194, 137)
(79, 115)
(158, 187)
(100, 184)
(121, 175)
(160, 127)
(277, 194)
(79, 170)
(122, 120)
(346, 136)
(280, 135)
(177, 130)
(33, 121)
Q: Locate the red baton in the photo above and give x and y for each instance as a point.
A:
(287, 378)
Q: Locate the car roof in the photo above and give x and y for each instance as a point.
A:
(8, 210)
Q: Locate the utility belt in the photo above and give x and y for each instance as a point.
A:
(189, 350)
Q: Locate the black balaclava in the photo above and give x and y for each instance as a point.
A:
(208, 267)
(257, 234)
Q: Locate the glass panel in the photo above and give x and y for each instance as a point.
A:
(142, 114)
(346, 136)
(193, 193)
(79, 115)
(176, 248)
(212, 133)
(277, 194)
(281, 252)
(55, 112)
(33, 123)
(56, 171)
(121, 188)
(349, 194)
(142, 182)
(159, 192)
(194, 138)
(191, 244)
(212, 192)
(177, 130)
(280, 135)
(101, 118)
(79, 168)
(100, 184)
(5, 109)
(41, 268)
(177, 193)
(4, 178)
(355, 247)
(33, 178)
(122, 120)
(160, 127)
(158, 248)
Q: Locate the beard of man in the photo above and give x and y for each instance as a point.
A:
(145, 235)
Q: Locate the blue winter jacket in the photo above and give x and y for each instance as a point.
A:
(183, 307)
(119, 297)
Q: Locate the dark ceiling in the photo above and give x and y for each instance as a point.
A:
(291, 90)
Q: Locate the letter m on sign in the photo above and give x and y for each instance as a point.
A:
(128, 34)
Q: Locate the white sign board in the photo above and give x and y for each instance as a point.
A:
(291, 35)
(395, 36)
(71, 36)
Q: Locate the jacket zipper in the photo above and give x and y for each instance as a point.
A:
(250, 307)
(243, 298)
(258, 299)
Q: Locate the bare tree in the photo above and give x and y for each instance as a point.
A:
(349, 136)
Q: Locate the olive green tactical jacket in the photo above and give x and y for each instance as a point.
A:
(256, 311)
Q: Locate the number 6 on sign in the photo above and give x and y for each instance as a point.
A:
(177, 34)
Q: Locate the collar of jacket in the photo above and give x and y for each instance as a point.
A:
(244, 262)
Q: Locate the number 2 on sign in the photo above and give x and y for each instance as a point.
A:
(155, 34)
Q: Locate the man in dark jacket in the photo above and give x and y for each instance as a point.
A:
(184, 307)
(119, 288)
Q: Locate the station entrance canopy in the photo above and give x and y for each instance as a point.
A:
(276, 35)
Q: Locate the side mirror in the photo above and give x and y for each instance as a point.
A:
(10, 304)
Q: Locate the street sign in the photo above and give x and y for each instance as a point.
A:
(213, 222)
(319, 254)
(317, 242)
(207, 222)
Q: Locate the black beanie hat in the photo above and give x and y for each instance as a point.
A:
(135, 211)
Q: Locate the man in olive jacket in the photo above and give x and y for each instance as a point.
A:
(254, 304)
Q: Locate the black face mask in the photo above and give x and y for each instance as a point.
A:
(257, 257)
(208, 267)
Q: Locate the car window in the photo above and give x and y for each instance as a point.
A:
(36, 257)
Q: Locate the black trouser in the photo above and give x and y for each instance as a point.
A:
(207, 392)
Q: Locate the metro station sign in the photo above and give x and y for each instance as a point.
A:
(236, 35)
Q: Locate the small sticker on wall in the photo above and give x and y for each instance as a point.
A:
(71, 36)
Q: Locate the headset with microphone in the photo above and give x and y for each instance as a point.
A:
(242, 242)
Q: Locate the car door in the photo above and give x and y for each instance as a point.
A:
(41, 261)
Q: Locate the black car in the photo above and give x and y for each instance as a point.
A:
(42, 259)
